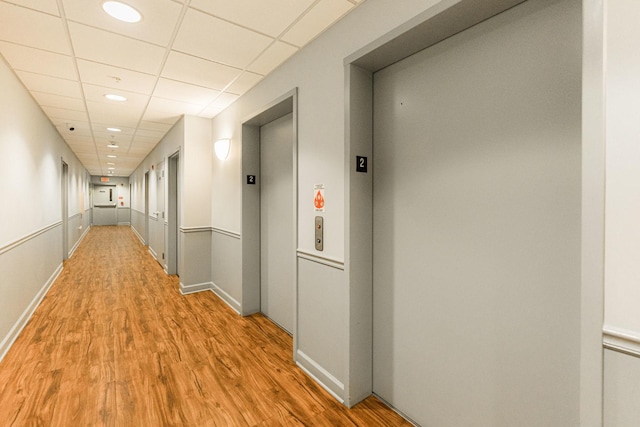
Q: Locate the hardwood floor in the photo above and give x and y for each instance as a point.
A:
(115, 344)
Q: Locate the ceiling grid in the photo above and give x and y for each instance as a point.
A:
(192, 57)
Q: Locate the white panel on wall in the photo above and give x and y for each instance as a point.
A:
(621, 389)
(622, 269)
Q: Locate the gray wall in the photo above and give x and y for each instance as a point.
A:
(327, 144)
(31, 251)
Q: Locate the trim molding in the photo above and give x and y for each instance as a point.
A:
(210, 286)
(231, 302)
(135, 231)
(195, 288)
(320, 375)
(329, 262)
(195, 229)
(75, 246)
(16, 243)
(226, 232)
(8, 341)
(621, 340)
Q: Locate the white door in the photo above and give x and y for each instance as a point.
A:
(477, 224)
(158, 225)
(276, 221)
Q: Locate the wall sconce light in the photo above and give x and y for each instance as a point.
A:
(222, 148)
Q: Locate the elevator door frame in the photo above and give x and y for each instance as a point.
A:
(251, 270)
(435, 24)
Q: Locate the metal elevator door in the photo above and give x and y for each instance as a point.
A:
(477, 197)
(276, 222)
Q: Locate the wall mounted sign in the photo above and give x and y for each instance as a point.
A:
(318, 197)
(361, 164)
(104, 179)
(251, 179)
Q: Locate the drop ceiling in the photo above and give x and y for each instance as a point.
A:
(192, 57)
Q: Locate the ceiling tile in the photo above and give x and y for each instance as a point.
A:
(166, 110)
(171, 89)
(157, 126)
(99, 128)
(82, 129)
(31, 59)
(271, 17)
(46, 32)
(118, 51)
(47, 6)
(159, 18)
(97, 94)
(198, 71)
(272, 57)
(118, 115)
(116, 78)
(49, 100)
(245, 82)
(217, 40)
(69, 115)
(53, 85)
(323, 15)
(210, 112)
(145, 133)
(224, 100)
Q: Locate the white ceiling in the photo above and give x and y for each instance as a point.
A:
(192, 57)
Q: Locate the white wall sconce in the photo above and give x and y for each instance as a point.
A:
(222, 148)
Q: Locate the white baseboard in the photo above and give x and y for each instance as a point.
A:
(138, 234)
(320, 375)
(192, 289)
(8, 341)
(210, 286)
(73, 249)
(231, 302)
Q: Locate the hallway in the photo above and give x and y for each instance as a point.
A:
(114, 343)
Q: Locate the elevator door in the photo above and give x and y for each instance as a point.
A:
(276, 222)
(477, 224)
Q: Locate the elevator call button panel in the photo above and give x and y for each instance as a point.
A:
(319, 227)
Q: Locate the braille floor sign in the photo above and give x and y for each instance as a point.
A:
(318, 198)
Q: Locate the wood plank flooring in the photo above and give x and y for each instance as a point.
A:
(115, 344)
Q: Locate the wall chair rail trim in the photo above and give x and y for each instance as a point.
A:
(20, 241)
(621, 340)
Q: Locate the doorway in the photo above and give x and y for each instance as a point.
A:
(173, 215)
(476, 213)
(278, 117)
(64, 187)
(276, 221)
(147, 239)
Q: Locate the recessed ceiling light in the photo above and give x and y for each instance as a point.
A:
(111, 164)
(111, 156)
(114, 130)
(111, 169)
(114, 97)
(112, 145)
(122, 12)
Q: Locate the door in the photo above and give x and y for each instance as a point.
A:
(65, 210)
(276, 221)
(105, 205)
(159, 216)
(477, 224)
